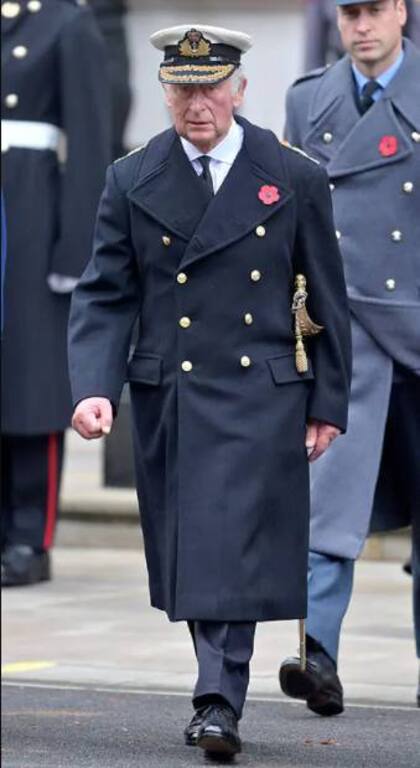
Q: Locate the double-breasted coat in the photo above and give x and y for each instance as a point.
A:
(219, 409)
(373, 163)
(53, 65)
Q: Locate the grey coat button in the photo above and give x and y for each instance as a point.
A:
(34, 6)
(186, 366)
(245, 361)
(390, 284)
(248, 318)
(11, 100)
(10, 10)
(20, 51)
(396, 236)
(408, 187)
(255, 275)
(327, 137)
(416, 137)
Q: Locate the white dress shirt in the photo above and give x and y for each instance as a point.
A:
(222, 156)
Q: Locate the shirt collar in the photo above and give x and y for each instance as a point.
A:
(384, 79)
(224, 152)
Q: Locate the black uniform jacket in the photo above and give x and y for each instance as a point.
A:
(53, 63)
(219, 408)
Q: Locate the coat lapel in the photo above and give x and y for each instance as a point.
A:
(356, 139)
(169, 190)
(236, 210)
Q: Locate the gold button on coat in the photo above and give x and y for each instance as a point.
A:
(327, 137)
(20, 51)
(185, 322)
(248, 319)
(408, 187)
(186, 366)
(396, 236)
(34, 6)
(260, 231)
(166, 240)
(255, 275)
(11, 100)
(181, 278)
(10, 10)
(416, 137)
(390, 284)
(245, 361)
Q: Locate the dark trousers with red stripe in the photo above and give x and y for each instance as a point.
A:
(31, 472)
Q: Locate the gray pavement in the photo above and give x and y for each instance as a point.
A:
(94, 677)
(60, 728)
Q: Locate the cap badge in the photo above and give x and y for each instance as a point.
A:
(194, 44)
(268, 194)
(388, 146)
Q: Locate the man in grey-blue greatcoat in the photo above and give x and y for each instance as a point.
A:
(361, 119)
(201, 234)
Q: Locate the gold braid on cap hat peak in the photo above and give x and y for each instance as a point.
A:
(188, 73)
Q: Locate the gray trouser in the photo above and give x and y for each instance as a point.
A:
(223, 651)
(330, 584)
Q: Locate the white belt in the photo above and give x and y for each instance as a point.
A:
(30, 135)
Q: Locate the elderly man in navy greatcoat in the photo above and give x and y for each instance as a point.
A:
(361, 119)
(55, 149)
(201, 235)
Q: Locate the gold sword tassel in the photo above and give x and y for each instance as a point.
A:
(304, 326)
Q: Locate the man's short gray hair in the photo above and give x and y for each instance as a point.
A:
(236, 79)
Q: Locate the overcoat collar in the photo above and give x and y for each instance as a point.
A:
(355, 138)
(169, 191)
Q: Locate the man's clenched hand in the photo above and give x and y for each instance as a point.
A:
(93, 417)
(318, 437)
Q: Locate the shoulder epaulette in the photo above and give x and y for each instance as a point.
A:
(286, 144)
(132, 152)
(310, 75)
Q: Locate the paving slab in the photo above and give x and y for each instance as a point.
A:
(93, 625)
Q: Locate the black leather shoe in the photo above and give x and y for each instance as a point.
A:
(218, 734)
(20, 565)
(192, 729)
(319, 684)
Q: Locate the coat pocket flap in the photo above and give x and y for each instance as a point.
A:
(145, 369)
(283, 369)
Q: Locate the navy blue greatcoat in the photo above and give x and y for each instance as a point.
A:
(219, 447)
(53, 64)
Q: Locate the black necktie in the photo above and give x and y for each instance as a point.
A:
(366, 97)
(206, 175)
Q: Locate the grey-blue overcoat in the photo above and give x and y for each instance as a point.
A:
(373, 162)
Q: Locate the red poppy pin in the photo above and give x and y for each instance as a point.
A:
(268, 195)
(388, 146)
